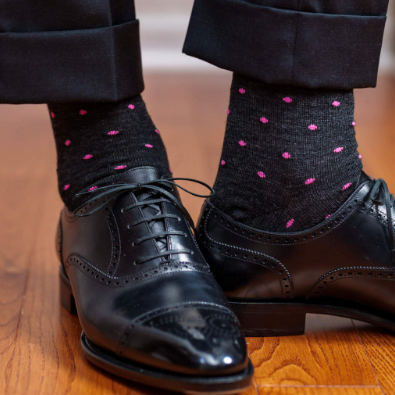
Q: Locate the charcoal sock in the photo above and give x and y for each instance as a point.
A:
(100, 140)
(290, 155)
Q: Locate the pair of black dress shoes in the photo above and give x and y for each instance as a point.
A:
(153, 311)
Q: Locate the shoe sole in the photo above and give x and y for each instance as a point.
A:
(269, 319)
(191, 385)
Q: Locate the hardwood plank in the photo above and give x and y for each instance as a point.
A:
(327, 354)
(319, 391)
(380, 348)
(21, 184)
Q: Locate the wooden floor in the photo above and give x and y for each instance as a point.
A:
(39, 342)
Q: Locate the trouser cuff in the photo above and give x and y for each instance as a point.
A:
(279, 46)
(90, 65)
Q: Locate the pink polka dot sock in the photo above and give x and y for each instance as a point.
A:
(96, 141)
(289, 157)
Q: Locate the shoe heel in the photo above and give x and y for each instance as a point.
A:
(66, 294)
(270, 319)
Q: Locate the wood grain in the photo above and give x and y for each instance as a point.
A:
(380, 347)
(320, 391)
(39, 342)
(326, 355)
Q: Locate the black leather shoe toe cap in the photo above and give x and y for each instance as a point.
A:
(196, 340)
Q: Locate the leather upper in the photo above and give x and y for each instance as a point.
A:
(167, 312)
(345, 259)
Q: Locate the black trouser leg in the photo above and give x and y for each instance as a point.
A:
(307, 43)
(69, 51)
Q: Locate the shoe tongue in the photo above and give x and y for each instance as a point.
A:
(138, 175)
(141, 175)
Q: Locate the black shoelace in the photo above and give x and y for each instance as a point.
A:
(160, 188)
(380, 195)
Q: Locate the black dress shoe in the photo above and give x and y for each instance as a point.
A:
(343, 266)
(149, 307)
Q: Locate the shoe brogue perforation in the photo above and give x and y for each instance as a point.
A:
(372, 273)
(263, 237)
(71, 215)
(284, 277)
(212, 307)
(127, 281)
(374, 212)
(227, 330)
(116, 245)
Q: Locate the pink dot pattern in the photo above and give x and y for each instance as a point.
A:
(346, 186)
(67, 143)
(309, 181)
(149, 146)
(131, 106)
(312, 127)
(120, 167)
(52, 115)
(287, 100)
(66, 187)
(92, 189)
(113, 133)
(338, 149)
(290, 223)
(223, 162)
(264, 120)
(242, 91)
(83, 112)
(242, 143)
(286, 155)
(336, 103)
(261, 174)
(86, 157)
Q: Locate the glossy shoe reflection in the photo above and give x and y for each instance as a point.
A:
(148, 304)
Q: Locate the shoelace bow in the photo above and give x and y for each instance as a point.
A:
(380, 195)
(156, 187)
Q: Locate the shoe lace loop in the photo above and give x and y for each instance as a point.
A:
(158, 187)
(380, 195)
